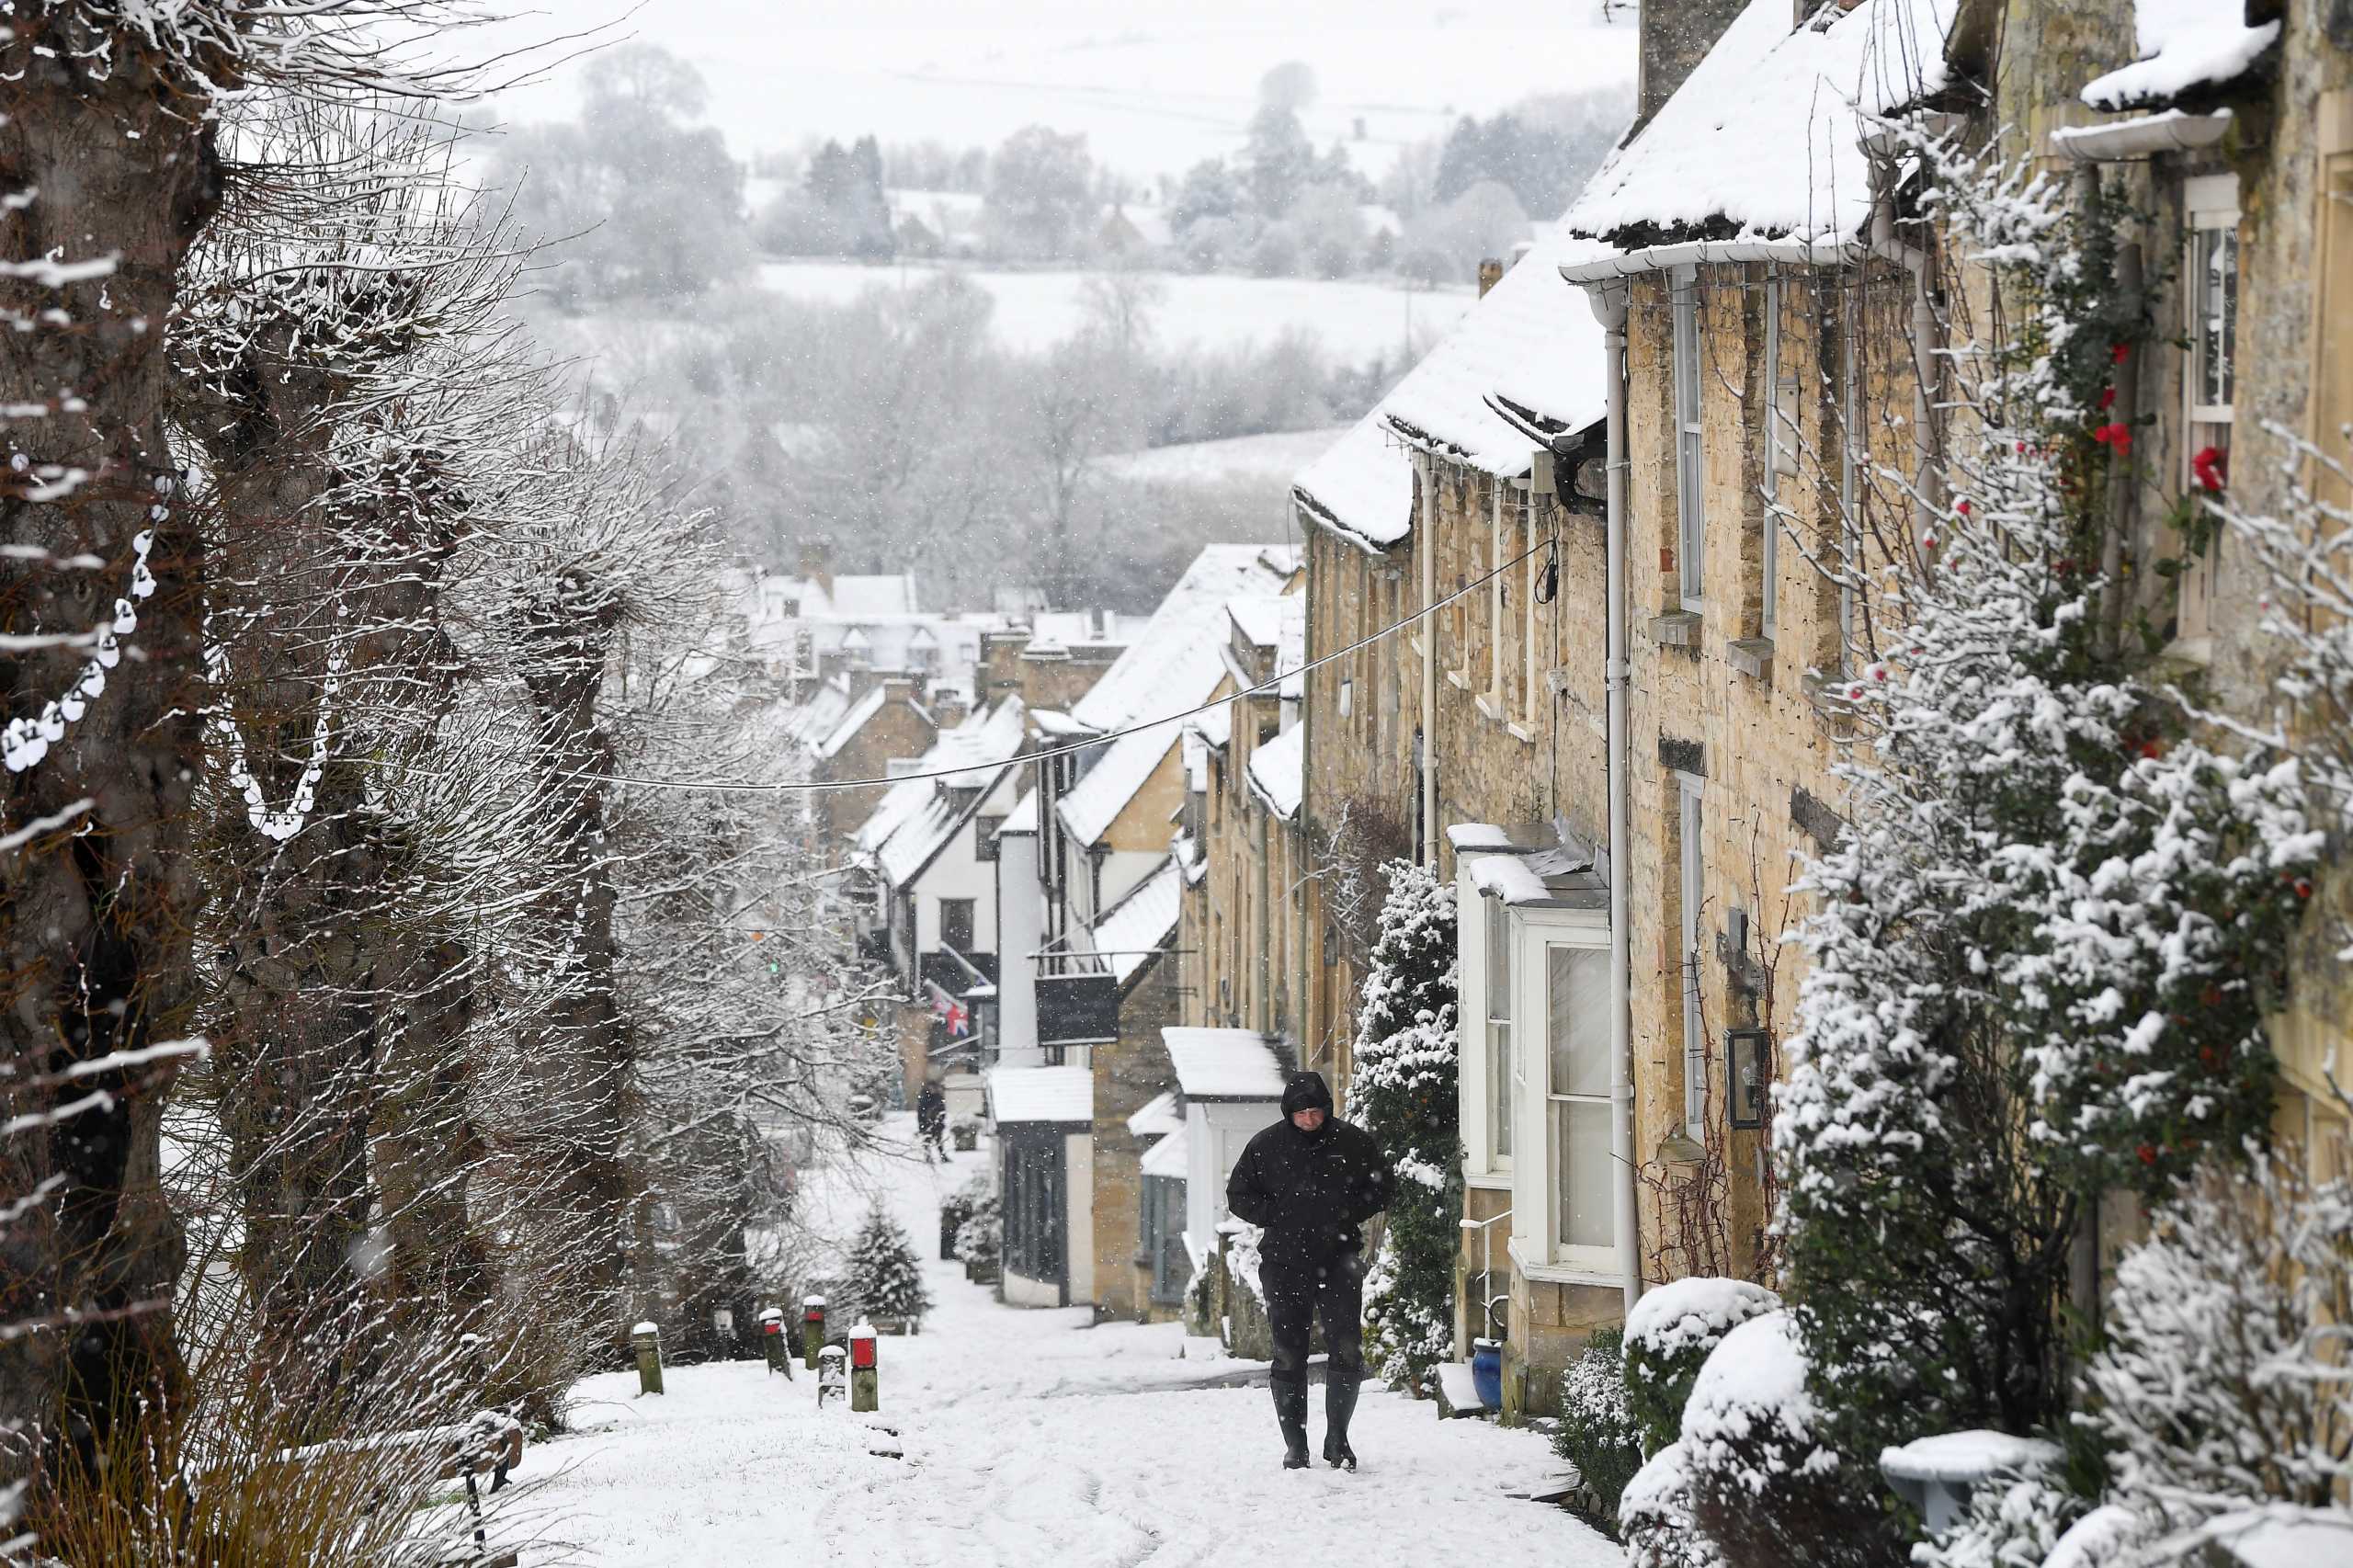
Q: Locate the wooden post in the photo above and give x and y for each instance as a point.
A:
(813, 1330)
(647, 1341)
(864, 1394)
(772, 1341)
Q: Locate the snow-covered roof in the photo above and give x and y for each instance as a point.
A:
(1160, 1116)
(1168, 1158)
(1056, 1094)
(1279, 771)
(1362, 487)
(1259, 618)
(1764, 139)
(1533, 339)
(915, 817)
(851, 721)
(1132, 687)
(1139, 925)
(2184, 47)
(1023, 817)
(1274, 457)
(816, 719)
(1174, 667)
(1223, 1064)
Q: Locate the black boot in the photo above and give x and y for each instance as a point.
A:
(1290, 1415)
(1339, 1404)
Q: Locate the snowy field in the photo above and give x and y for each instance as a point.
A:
(1355, 322)
(1028, 1438)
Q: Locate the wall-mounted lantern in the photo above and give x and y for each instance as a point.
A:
(1744, 1056)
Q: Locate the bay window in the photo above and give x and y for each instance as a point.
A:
(1576, 996)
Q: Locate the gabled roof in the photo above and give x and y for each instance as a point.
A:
(1167, 1159)
(917, 817)
(1053, 1095)
(2185, 49)
(852, 720)
(1139, 927)
(1279, 771)
(815, 720)
(1225, 1064)
(1172, 667)
(1763, 141)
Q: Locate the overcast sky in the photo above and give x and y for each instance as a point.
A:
(1154, 89)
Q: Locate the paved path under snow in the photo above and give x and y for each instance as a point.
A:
(1029, 1438)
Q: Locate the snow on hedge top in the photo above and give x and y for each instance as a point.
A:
(1279, 771)
(1764, 140)
(1971, 1455)
(1692, 1314)
(1533, 340)
(2184, 45)
(1750, 1400)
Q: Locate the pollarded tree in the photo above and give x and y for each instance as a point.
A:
(883, 1273)
(1403, 1092)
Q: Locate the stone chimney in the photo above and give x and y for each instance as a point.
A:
(1490, 272)
(817, 563)
(1675, 36)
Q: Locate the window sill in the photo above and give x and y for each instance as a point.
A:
(1521, 732)
(1487, 1181)
(2197, 651)
(1459, 681)
(1752, 656)
(1560, 1273)
(1487, 708)
(1678, 629)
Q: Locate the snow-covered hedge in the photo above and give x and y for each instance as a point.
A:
(1655, 1517)
(1597, 1432)
(1669, 1335)
(1765, 1488)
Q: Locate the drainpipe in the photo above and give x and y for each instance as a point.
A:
(1609, 301)
(1428, 481)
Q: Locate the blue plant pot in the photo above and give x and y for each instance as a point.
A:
(1487, 1371)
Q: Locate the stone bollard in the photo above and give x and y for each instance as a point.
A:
(773, 1344)
(864, 1394)
(829, 1375)
(647, 1340)
(813, 1330)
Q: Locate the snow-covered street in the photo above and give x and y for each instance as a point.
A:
(1027, 1437)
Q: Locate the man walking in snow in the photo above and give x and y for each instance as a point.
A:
(931, 1119)
(1310, 1181)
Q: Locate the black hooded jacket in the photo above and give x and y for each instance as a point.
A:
(1309, 1191)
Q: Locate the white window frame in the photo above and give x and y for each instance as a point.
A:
(1691, 552)
(2212, 207)
(1536, 1213)
(1476, 1079)
(1691, 853)
(1498, 1034)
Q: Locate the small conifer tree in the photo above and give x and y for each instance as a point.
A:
(883, 1272)
(1403, 1093)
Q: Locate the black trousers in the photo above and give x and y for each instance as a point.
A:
(1297, 1295)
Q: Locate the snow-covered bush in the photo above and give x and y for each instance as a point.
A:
(1766, 1488)
(2010, 1523)
(1669, 1335)
(1597, 1432)
(2040, 955)
(884, 1271)
(1655, 1517)
(980, 1240)
(2222, 1390)
(1403, 1092)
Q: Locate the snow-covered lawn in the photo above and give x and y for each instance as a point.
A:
(1354, 322)
(1029, 1438)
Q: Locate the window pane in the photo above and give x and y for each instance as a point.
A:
(1499, 1084)
(1576, 990)
(1499, 959)
(2218, 307)
(1583, 1163)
